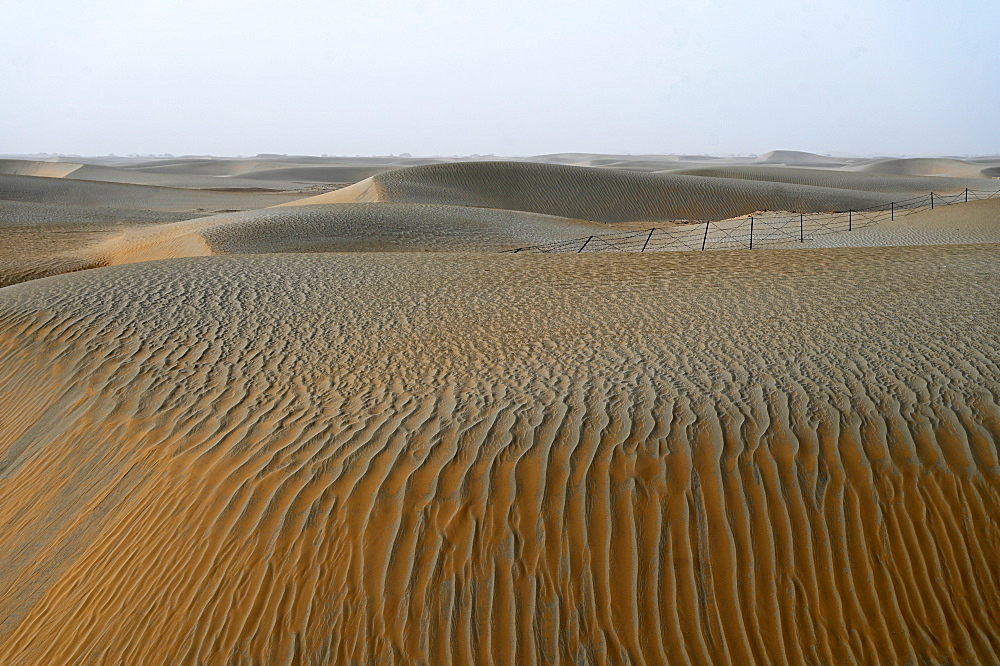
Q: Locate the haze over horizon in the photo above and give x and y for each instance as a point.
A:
(451, 78)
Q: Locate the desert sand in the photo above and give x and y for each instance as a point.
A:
(352, 430)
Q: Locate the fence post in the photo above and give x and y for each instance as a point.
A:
(932, 201)
(850, 219)
(647, 239)
(892, 210)
(584, 244)
(705, 239)
(966, 195)
(801, 236)
(751, 232)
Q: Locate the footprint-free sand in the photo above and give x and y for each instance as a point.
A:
(357, 433)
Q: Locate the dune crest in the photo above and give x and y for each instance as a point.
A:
(601, 195)
(36, 168)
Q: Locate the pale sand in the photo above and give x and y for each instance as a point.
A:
(37, 240)
(66, 191)
(771, 457)
(781, 456)
(30, 251)
(966, 223)
(929, 167)
(847, 180)
(36, 168)
(602, 195)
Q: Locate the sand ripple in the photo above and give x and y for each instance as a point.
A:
(767, 457)
(602, 195)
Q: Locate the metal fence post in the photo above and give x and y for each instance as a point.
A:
(966, 195)
(647, 239)
(932, 201)
(751, 232)
(705, 239)
(892, 210)
(584, 244)
(801, 233)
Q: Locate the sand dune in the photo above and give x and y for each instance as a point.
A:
(66, 191)
(366, 436)
(36, 168)
(37, 240)
(974, 222)
(30, 251)
(603, 195)
(744, 457)
(247, 167)
(201, 173)
(921, 166)
(339, 228)
(138, 177)
(265, 179)
(846, 180)
(204, 167)
(317, 174)
(800, 158)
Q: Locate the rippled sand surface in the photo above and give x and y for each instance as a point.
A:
(784, 456)
(607, 195)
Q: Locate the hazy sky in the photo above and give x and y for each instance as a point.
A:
(508, 77)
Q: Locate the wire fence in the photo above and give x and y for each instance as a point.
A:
(755, 230)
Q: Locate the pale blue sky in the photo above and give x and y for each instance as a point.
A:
(511, 77)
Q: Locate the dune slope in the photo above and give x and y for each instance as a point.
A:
(603, 195)
(67, 191)
(848, 180)
(924, 166)
(37, 240)
(363, 227)
(588, 458)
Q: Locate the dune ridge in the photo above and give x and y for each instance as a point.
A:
(593, 458)
(602, 195)
(840, 179)
(36, 168)
(67, 191)
(361, 227)
(924, 166)
(952, 222)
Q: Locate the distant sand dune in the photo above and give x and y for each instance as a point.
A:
(317, 174)
(198, 174)
(919, 166)
(68, 191)
(799, 158)
(839, 179)
(36, 168)
(743, 457)
(603, 195)
(340, 228)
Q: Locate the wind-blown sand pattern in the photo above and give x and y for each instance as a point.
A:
(366, 436)
(66, 191)
(848, 180)
(353, 227)
(603, 195)
(518, 459)
(37, 240)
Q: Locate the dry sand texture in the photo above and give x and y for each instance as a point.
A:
(603, 195)
(955, 223)
(774, 457)
(780, 456)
